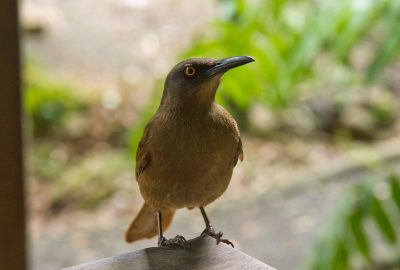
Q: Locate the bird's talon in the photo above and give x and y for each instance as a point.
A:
(161, 241)
(226, 241)
(177, 241)
(209, 231)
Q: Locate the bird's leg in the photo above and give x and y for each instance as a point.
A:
(209, 230)
(177, 241)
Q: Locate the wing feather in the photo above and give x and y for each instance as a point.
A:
(143, 157)
(239, 152)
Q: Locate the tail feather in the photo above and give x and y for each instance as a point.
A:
(145, 224)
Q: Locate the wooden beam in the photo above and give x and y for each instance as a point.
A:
(12, 214)
(202, 253)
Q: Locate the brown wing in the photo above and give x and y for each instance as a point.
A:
(239, 152)
(143, 157)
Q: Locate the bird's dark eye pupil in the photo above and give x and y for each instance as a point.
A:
(190, 71)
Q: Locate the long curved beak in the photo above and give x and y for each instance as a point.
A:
(226, 64)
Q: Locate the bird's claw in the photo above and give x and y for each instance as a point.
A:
(177, 241)
(217, 236)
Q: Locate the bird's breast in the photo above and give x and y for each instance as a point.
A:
(197, 145)
(192, 161)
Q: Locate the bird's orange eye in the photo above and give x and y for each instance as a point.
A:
(190, 71)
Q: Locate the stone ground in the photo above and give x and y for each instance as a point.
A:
(100, 43)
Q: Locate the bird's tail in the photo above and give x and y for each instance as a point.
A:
(145, 224)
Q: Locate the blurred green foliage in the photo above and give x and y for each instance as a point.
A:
(47, 100)
(137, 130)
(287, 37)
(365, 225)
(65, 160)
(324, 57)
(60, 179)
(85, 182)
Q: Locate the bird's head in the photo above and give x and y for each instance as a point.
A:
(195, 81)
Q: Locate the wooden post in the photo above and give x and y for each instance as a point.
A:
(12, 214)
(202, 253)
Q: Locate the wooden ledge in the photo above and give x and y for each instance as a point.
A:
(202, 253)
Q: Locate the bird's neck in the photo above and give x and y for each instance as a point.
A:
(186, 109)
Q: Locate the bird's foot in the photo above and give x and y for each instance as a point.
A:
(209, 230)
(177, 241)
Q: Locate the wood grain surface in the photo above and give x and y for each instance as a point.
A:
(12, 204)
(202, 253)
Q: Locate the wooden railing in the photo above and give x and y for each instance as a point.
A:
(202, 253)
(12, 206)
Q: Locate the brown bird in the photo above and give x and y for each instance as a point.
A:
(188, 150)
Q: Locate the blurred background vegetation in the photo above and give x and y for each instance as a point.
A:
(348, 242)
(325, 78)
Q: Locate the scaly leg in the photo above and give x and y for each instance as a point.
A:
(177, 241)
(209, 230)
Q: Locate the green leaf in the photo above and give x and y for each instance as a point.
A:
(358, 232)
(324, 257)
(395, 187)
(390, 44)
(382, 221)
(341, 261)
